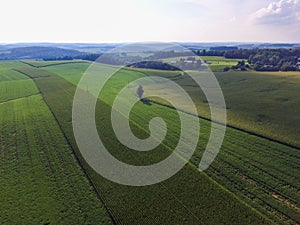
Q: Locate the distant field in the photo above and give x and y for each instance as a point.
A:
(41, 182)
(219, 59)
(50, 63)
(259, 102)
(71, 73)
(215, 63)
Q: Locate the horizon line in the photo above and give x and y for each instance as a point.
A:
(131, 42)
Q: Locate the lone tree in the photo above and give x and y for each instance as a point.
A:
(140, 91)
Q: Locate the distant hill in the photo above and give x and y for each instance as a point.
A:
(105, 47)
(82, 47)
(38, 52)
(224, 48)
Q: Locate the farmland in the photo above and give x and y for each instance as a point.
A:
(49, 63)
(41, 182)
(7, 73)
(216, 63)
(130, 205)
(258, 102)
(142, 112)
(15, 89)
(262, 176)
(241, 167)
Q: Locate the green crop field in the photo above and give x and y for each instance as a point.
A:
(16, 89)
(257, 182)
(130, 205)
(257, 102)
(49, 63)
(215, 63)
(14, 84)
(7, 73)
(254, 180)
(8, 65)
(41, 182)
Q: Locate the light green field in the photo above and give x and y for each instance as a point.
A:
(257, 102)
(219, 59)
(72, 73)
(7, 65)
(16, 89)
(7, 73)
(14, 84)
(215, 63)
(50, 63)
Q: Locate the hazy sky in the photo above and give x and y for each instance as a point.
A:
(149, 20)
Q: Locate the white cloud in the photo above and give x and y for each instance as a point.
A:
(283, 12)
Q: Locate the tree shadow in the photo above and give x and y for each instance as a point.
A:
(146, 101)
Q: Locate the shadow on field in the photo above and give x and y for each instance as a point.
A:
(146, 101)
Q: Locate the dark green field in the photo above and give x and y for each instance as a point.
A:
(41, 182)
(254, 180)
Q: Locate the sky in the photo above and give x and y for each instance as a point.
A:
(98, 21)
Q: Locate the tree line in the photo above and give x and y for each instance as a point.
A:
(259, 59)
(262, 59)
